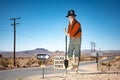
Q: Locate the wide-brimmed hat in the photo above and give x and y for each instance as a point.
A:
(71, 13)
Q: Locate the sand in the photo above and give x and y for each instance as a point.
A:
(88, 72)
(73, 76)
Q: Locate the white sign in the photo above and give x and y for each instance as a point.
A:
(42, 56)
(59, 62)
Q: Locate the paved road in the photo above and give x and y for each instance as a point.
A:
(17, 74)
(91, 62)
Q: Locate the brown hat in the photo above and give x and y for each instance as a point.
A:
(71, 13)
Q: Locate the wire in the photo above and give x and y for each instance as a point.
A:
(25, 35)
(31, 37)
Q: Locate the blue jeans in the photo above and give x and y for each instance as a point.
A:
(74, 46)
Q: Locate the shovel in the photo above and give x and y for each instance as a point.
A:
(66, 61)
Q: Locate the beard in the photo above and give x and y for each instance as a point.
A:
(70, 20)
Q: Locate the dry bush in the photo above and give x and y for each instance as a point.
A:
(29, 63)
(87, 58)
(49, 61)
(39, 62)
(4, 63)
(105, 64)
(103, 69)
(22, 58)
(18, 64)
(118, 67)
(118, 59)
(118, 62)
(114, 64)
(82, 58)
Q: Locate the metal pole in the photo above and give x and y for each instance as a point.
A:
(97, 57)
(108, 70)
(43, 72)
(43, 67)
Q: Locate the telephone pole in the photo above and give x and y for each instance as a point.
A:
(92, 46)
(14, 25)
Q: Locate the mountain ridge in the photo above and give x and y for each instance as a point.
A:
(28, 53)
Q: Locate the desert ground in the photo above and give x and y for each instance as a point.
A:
(79, 76)
(108, 70)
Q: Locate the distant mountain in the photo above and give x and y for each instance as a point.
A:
(58, 53)
(27, 53)
(36, 51)
(111, 52)
(42, 50)
(32, 53)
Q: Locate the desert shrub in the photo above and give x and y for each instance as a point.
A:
(34, 61)
(10, 62)
(118, 67)
(20, 79)
(118, 59)
(82, 58)
(4, 63)
(49, 61)
(103, 69)
(22, 58)
(29, 63)
(39, 62)
(105, 64)
(113, 61)
(17, 63)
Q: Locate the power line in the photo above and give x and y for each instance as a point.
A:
(5, 30)
(26, 36)
(33, 38)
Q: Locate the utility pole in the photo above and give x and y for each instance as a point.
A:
(92, 46)
(14, 25)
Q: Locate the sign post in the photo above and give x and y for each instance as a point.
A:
(43, 66)
(43, 57)
(97, 58)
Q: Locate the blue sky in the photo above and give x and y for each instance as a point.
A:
(42, 23)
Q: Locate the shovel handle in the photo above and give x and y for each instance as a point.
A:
(66, 46)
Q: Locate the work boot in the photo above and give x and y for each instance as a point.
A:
(70, 63)
(76, 63)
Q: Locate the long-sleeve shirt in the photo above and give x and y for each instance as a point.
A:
(74, 29)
